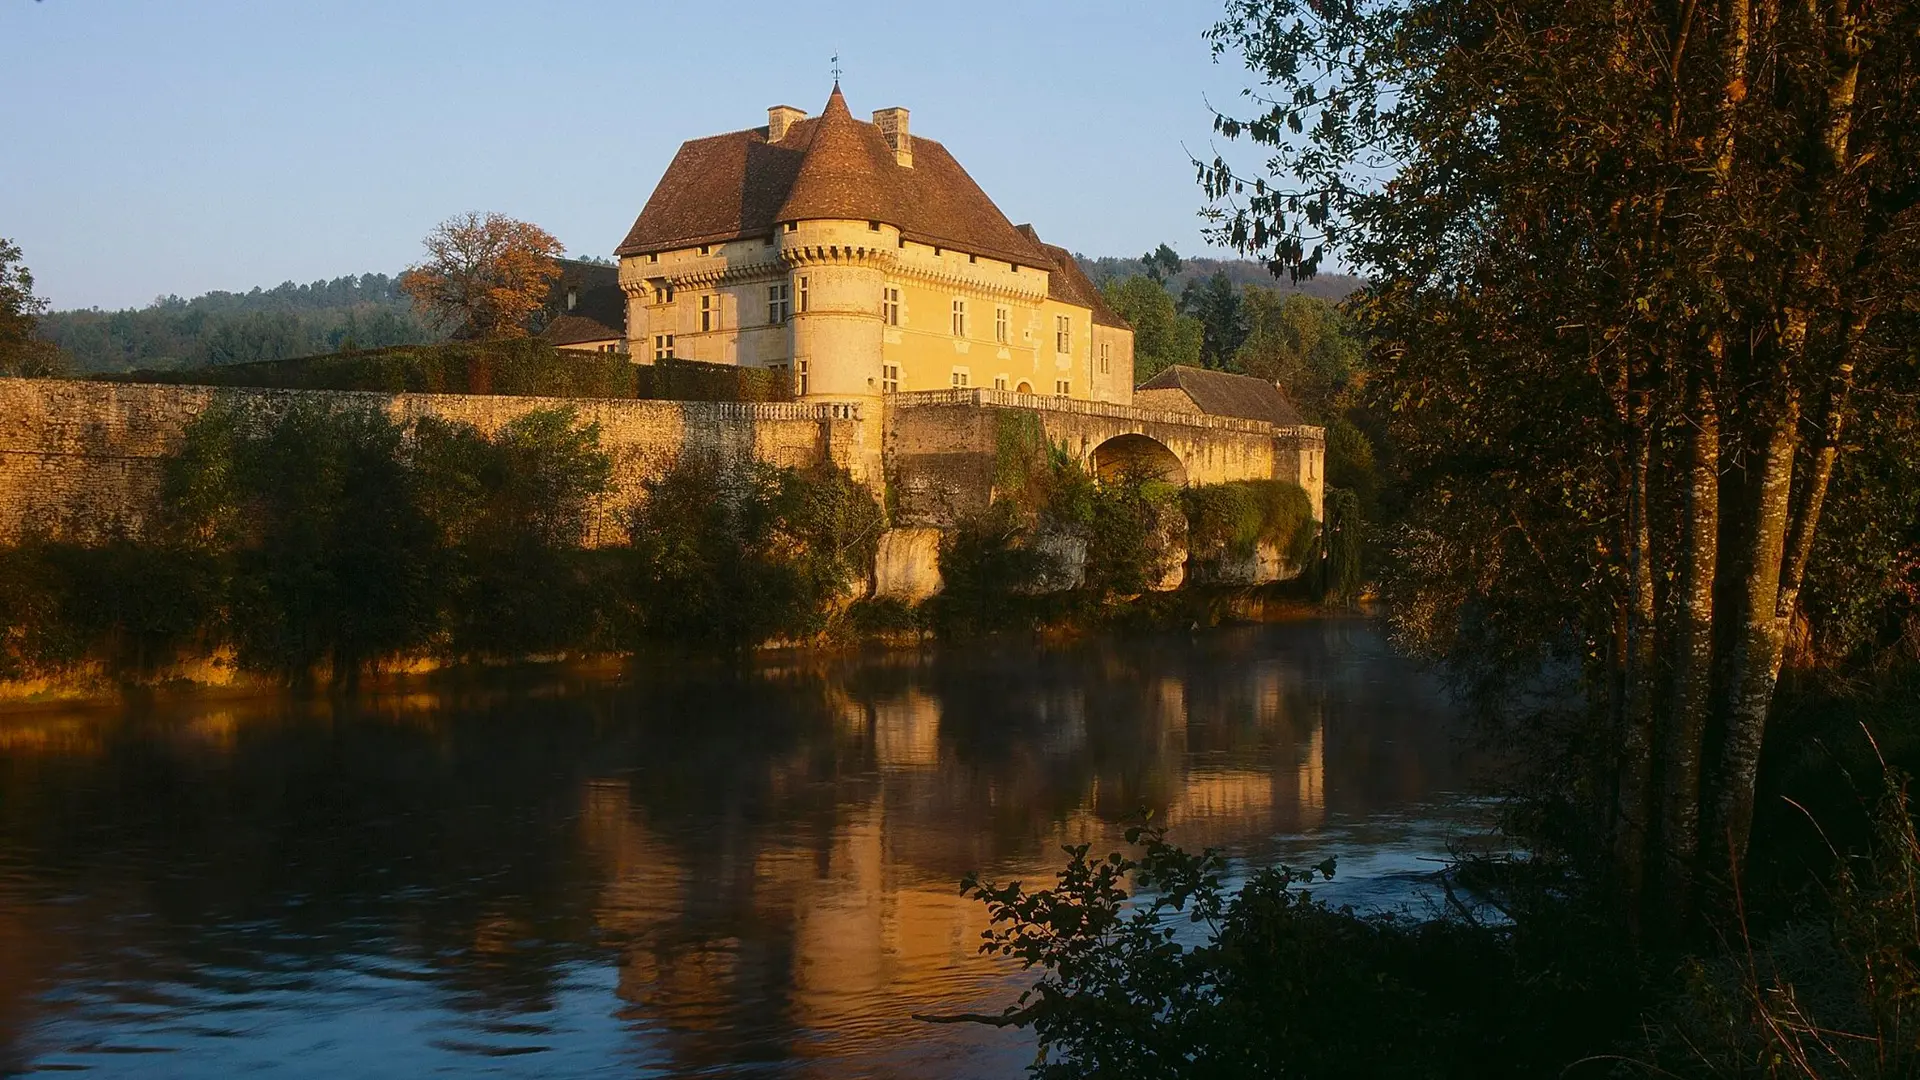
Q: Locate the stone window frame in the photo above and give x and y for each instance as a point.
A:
(779, 303)
(803, 287)
(1062, 388)
(1002, 324)
(960, 317)
(889, 378)
(1063, 334)
(890, 304)
(709, 313)
(1106, 358)
(800, 377)
(962, 378)
(663, 346)
(999, 382)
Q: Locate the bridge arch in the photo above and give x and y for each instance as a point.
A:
(1138, 454)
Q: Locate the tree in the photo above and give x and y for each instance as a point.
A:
(1160, 264)
(21, 352)
(1633, 264)
(1307, 345)
(484, 275)
(1162, 337)
(1223, 318)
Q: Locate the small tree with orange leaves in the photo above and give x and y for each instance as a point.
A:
(484, 274)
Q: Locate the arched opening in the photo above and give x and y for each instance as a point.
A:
(1024, 387)
(1137, 455)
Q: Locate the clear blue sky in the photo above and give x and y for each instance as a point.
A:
(152, 148)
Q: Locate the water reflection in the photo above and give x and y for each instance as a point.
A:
(723, 873)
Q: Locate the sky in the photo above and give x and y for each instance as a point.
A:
(150, 148)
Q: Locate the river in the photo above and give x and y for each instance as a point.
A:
(664, 873)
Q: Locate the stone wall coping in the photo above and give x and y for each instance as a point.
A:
(984, 396)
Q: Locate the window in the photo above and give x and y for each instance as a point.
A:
(800, 377)
(1063, 333)
(791, 226)
(889, 378)
(959, 378)
(663, 294)
(890, 304)
(1062, 387)
(873, 226)
(960, 318)
(1106, 358)
(779, 303)
(573, 297)
(999, 382)
(803, 292)
(663, 346)
(1002, 325)
(706, 313)
(706, 249)
(654, 257)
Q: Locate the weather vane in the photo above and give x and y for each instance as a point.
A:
(836, 67)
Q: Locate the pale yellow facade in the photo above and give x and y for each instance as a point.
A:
(851, 311)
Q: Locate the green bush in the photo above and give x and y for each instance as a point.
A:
(1345, 539)
(130, 607)
(332, 559)
(344, 537)
(736, 555)
(1236, 517)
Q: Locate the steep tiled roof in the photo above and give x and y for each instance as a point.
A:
(599, 310)
(1222, 394)
(577, 329)
(737, 185)
(842, 175)
(1070, 284)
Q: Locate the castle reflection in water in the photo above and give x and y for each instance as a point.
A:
(710, 871)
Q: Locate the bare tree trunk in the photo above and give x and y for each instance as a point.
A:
(1692, 649)
(1762, 644)
(1633, 809)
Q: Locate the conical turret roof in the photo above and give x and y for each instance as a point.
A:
(847, 172)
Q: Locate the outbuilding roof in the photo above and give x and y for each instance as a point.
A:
(1222, 394)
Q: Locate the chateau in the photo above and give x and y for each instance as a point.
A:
(862, 261)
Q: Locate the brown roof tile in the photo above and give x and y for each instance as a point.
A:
(599, 311)
(739, 185)
(1224, 394)
(1070, 284)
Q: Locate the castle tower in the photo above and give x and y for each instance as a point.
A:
(838, 238)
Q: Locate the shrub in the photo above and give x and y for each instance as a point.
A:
(1236, 517)
(735, 555)
(512, 512)
(131, 607)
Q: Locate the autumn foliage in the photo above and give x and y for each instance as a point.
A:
(484, 274)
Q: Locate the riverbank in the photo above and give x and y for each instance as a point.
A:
(867, 625)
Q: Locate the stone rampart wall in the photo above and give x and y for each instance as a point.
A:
(84, 461)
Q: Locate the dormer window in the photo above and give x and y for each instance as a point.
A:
(573, 297)
(653, 256)
(873, 226)
(706, 249)
(791, 226)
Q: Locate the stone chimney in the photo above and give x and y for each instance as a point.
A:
(893, 127)
(780, 118)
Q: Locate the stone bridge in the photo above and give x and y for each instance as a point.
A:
(940, 446)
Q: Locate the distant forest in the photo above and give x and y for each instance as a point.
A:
(354, 312)
(369, 311)
(1241, 272)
